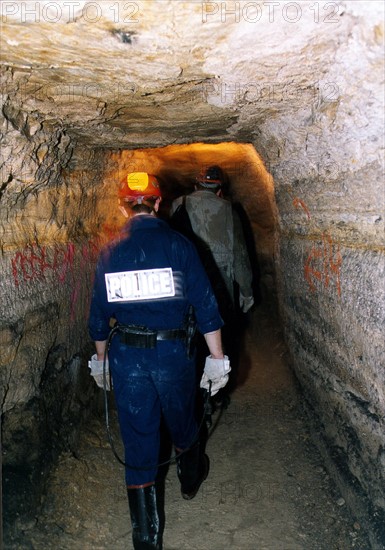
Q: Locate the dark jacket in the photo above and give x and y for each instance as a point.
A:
(146, 243)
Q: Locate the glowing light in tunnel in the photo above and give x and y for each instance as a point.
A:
(176, 166)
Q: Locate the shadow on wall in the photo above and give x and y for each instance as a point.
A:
(250, 187)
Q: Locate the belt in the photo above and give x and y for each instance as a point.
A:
(141, 337)
(172, 334)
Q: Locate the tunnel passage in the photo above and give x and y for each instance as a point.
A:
(303, 84)
(53, 279)
(249, 185)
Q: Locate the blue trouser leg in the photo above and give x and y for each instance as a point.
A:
(139, 412)
(176, 385)
(146, 383)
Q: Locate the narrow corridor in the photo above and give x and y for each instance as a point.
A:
(267, 489)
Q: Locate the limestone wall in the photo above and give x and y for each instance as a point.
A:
(48, 208)
(330, 258)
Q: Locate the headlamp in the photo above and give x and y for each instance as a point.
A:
(137, 181)
(137, 186)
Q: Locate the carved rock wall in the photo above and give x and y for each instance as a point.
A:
(48, 253)
(301, 83)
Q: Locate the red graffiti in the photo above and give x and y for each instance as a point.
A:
(323, 264)
(297, 202)
(66, 262)
(35, 261)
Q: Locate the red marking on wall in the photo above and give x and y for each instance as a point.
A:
(35, 262)
(66, 262)
(323, 264)
(298, 203)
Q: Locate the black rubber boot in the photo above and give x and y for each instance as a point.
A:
(146, 533)
(192, 469)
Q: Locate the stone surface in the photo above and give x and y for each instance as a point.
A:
(299, 82)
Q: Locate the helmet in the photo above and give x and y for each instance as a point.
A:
(138, 186)
(211, 177)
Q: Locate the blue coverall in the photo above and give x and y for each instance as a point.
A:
(148, 382)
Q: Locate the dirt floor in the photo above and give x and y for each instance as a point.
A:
(267, 488)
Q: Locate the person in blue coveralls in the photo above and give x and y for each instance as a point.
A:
(147, 280)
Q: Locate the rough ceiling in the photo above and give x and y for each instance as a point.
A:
(152, 73)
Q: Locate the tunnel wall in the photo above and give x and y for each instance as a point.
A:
(49, 245)
(330, 260)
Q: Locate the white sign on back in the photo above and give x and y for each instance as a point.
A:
(146, 284)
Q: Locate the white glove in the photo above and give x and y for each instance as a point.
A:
(216, 371)
(245, 302)
(97, 371)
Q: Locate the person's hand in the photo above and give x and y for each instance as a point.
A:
(97, 367)
(245, 302)
(216, 372)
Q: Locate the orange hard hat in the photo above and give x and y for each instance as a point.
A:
(138, 186)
